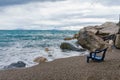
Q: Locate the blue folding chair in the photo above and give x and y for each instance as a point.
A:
(93, 55)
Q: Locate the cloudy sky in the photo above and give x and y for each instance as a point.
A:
(56, 14)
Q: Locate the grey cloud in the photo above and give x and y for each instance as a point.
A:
(81, 15)
(107, 16)
(106, 2)
(80, 24)
(69, 24)
(111, 2)
(15, 2)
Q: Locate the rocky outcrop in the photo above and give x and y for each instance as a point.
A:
(109, 27)
(90, 41)
(117, 41)
(106, 28)
(75, 36)
(18, 64)
(93, 37)
(67, 46)
(68, 38)
(40, 59)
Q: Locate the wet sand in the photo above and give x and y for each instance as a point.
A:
(73, 68)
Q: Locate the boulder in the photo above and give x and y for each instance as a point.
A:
(110, 42)
(102, 33)
(90, 41)
(93, 30)
(68, 46)
(68, 38)
(117, 41)
(40, 59)
(18, 64)
(109, 27)
(75, 36)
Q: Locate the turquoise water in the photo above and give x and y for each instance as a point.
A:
(32, 38)
(25, 45)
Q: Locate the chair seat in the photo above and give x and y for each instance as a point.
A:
(95, 57)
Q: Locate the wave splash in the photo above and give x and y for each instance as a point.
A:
(26, 45)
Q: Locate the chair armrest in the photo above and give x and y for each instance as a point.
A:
(98, 51)
(92, 54)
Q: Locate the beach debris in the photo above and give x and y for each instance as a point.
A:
(18, 64)
(67, 46)
(40, 59)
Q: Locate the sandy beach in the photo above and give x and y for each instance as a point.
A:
(51, 39)
(73, 68)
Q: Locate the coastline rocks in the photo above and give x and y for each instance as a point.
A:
(91, 29)
(90, 41)
(109, 27)
(68, 46)
(18, 64)
(68, 38)
(75, 36)
(117, 41)
(40, 59)
(102, 33)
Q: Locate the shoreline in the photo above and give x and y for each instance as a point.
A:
(73, 68)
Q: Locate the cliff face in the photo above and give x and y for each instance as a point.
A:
(91, 37)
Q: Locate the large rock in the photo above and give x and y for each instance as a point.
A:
(68, 46)
(109, 27)
(102, 34)
(90, 41)
(117, 41)
(40, 59)
(18, 64)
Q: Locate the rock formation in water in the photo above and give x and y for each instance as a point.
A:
(18, 64)
(67, 46)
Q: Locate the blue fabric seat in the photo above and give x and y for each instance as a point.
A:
(93, 55)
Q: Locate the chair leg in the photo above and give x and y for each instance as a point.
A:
(87, 59)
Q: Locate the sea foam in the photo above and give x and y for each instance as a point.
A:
(26, 45)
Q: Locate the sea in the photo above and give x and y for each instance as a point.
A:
(26, 45)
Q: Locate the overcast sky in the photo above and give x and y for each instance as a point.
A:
(56, 14)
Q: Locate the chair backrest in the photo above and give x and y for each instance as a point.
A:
(103, 51)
